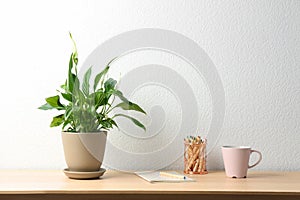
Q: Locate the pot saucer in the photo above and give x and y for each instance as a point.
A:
(84, 175)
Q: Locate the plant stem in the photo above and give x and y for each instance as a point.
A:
(109, 108)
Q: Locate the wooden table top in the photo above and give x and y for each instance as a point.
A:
(112, 182)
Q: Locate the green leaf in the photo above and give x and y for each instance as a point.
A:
(70, 80)
(113, 122)
(106, 124)
(68, 112)
(135, 121)
(119, 94)
(76, 91)
(102, 74)
(66, 122)
(99, 98)
(79, 98)
(54, 102)
(130, 106)
(57, 120)
(108, 64)
(76, 85)
(64, 86)
(99, 76)
(67, 97)
(46, 106)
(86, 82)
(100, 116)
(75, 53)
(68, 116)
(110, 84)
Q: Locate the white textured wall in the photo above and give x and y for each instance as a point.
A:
(254, 45)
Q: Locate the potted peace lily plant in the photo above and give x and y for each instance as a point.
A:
(86, 117)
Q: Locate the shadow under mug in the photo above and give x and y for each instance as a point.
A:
(236, 160)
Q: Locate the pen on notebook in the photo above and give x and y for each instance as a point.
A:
(171, 175)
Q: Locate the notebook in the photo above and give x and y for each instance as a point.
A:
(154, 176)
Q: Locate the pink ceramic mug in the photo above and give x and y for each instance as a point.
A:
(236, 160)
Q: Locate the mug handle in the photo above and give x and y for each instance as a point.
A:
(260, 158)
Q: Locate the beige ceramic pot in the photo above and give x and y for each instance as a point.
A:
(84, 152)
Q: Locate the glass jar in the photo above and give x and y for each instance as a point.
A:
(195, 158)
